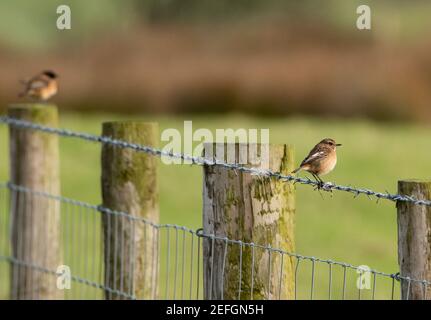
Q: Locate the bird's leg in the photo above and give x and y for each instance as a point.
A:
(318, 180)
(318, 186)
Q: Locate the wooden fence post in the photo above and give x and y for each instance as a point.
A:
(254, 209)
(34, 164)
(414, 239)
(130, 184)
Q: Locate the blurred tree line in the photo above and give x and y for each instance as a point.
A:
(264, 56)
(29, 23)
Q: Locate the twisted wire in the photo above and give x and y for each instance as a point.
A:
(202, 161)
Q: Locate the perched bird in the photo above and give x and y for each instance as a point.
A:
(321, 160)
(41, 87)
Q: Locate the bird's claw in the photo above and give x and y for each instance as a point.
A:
(319, 185)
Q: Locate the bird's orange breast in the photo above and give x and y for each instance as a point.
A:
(46, 92)
(328, 164)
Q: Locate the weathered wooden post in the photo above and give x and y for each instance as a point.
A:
(414, 240)
(252, 209)
(130, 185)
(36, 241)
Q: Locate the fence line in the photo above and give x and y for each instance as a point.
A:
(181, 259)
(179, 252)
(327, 186)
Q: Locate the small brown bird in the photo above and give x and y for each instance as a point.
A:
(41, 87)
(321, 160)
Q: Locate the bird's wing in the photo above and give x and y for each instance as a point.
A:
(24, 81)
(37, 84)
(314, 154)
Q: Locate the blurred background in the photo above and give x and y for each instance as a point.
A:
(271, 57)
(300, 68)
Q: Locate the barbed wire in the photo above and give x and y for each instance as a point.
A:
(199, 233)
(202, 161)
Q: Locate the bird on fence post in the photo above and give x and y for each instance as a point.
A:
(41, 87)
(321, 160)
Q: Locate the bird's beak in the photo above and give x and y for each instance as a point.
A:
(338, 144)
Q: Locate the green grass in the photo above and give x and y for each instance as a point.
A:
(339, 227)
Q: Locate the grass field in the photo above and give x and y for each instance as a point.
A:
(339, 227)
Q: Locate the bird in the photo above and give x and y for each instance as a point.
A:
(41, 87)
(321, 160)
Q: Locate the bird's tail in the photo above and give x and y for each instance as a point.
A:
(23, 82)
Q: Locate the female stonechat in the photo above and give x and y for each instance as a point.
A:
(41, 87)
(321, 160)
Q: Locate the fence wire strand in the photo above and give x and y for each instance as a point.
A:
(90, 282)
(202, 161)
(93, 239)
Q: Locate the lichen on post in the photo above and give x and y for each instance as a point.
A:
(130, 185)
(414, 240)
(36, 241)
(251, 209)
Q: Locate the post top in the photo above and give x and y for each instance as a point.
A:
(414, 181)
(32, 106)
(247, 144)
(120, 123)
(42, 113)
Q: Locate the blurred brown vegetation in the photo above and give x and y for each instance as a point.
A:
(275, 68)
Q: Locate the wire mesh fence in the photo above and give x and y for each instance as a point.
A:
(100, 265)
(108, 254)
(102, 269)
